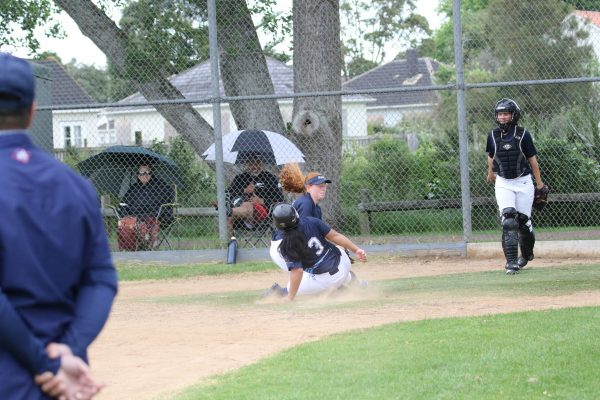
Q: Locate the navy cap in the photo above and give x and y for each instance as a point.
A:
(317, 180)
(17, 84)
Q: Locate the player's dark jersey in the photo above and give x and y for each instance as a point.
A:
(510, 151)
(306, 207)
(326, 254)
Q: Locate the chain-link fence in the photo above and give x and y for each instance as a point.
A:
(403, 142)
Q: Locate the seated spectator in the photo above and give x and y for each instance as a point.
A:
(251, 194)
(140, 220)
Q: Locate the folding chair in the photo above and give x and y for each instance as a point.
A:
(257, 235)
(169, 221)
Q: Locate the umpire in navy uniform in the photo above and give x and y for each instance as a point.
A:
(57, 279)
(511, 161)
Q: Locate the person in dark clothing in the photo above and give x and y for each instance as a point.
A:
(252, 193)
(140, 220)
(57, 279)
(511, 162)
(144, 198)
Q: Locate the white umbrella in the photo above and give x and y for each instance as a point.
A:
(270, 147)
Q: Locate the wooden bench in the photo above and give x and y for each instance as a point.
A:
(366, 207)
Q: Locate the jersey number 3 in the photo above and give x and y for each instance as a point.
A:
(316, 244)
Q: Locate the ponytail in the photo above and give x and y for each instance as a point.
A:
(293, 247)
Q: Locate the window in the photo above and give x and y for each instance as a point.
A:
(77, 142)
(107, 132)
(72, 136)
(67, 135)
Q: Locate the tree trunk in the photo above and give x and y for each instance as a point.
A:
(244, 68)
(317, 121)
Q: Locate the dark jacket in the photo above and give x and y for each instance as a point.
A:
(57, 279)
(145, 200)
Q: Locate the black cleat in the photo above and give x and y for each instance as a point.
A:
(511, 268)
(522, 261)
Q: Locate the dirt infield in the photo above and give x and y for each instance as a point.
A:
(150, 349)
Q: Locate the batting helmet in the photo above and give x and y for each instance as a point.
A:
(285, 217)
(509, 106)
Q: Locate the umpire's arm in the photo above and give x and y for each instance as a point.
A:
(18, 340)
(97, 289)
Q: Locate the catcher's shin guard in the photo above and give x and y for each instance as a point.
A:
(510, 237)
(526, 239)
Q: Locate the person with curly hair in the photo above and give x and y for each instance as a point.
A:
(313, 188)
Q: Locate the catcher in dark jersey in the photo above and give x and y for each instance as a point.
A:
(308, 247)
(511, 161)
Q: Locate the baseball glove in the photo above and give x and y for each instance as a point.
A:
(540, 198)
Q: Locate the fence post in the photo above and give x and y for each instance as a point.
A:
(216, 112)
(365, 217)
(463, 142)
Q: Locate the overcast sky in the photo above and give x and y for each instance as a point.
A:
(77, 46)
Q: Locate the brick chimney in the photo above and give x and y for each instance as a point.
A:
(412, 62)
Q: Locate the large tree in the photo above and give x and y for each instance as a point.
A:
(317, 68)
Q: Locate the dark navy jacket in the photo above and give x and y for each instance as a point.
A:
(306, 207)
(57, 279)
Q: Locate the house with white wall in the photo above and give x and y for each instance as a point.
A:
(389, 109)
(71, 127)
(195, 83)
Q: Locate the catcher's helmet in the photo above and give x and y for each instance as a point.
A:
(285, 217)
(510, 106)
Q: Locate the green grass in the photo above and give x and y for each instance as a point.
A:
(540, 281)
(532, 355)
(145, 271)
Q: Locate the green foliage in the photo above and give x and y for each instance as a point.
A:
(149, 26)
(357, 66)
(276, 25)
(390, 172)
(588, 5)
(19, 20)
(532, 53)
(95, 81)
(74, 155)
(560, 155)
(199, 180)
(368, 26)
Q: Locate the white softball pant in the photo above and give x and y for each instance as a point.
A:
(313, 284)
(516, 193)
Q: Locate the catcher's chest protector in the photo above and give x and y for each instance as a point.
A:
(509, 161)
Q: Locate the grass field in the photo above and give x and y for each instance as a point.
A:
(424, 329)
(528, 355)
